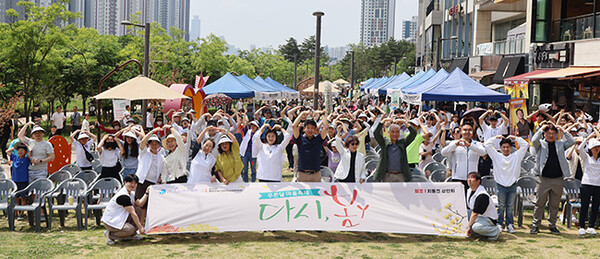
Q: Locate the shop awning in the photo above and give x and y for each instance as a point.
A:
(522, 78)
(508, 67)
(481, 74)
(567, 72)
(460, 63)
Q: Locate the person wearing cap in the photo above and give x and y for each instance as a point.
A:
(393, 162)
(412, 150)
(590, 182)
(116, 126)
(175, 168)
(309, 147)
(130, 152)
(150, 165)
(109, 149)
(58, 119)
(551, 167)
(247, 150)
(229, 164)
(83, 147)
(20, 171)
(41, 152)
(507, 168)
(270, 153)
(263, 114)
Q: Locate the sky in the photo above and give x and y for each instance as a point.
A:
(271, 22)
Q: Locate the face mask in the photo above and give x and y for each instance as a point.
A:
(582, 134)
(111, 145)
(117, 127)
(159, 123)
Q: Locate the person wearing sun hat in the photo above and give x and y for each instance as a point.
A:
(150, 166)
(175, 168)
(589, 151)
(130, 152)
(42, 151)
(83, 147)
(229, 164)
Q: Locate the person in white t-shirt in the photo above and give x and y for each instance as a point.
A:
(58, 119)
(495, 128)
(109, 149)
(507, 168)
(270, 154)
(83, 146)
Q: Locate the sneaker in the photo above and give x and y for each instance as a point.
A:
(108, 240)
(554, 230)
(574, 220)
(589, 231)
(582, 231)
(20, 218)
(499, 227)
(561, 217)
(511, 229)
(534, 230)
(494, 237)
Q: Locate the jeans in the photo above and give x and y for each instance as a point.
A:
(247, 160)
(589, 193)
(506, 202)
(128, 171)
(485, 227)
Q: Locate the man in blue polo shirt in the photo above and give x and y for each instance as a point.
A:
(309, 147)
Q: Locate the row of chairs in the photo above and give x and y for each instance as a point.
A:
(526, 195)
(60, 192)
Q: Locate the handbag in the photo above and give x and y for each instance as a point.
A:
(88, 155)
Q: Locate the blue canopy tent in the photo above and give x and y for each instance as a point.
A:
(230, 86)
(286, 91)
(440, 76)
(458, 86)
(430, 73)
(375, 82)
(261, 92)
(402, 84)
(394, 80)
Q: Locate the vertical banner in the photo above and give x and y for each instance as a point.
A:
(413, 208)
(119, 108)
(396, 99)
(517, 89)
(518, 118)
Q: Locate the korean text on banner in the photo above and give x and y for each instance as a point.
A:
(119, 108)
(413, 208)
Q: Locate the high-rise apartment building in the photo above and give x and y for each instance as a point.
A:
(195, 28)
(409, 28)
(377, 21)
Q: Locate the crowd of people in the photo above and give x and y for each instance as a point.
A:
(248, 145)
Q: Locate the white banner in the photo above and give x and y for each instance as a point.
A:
(414, 99)
(119, 108)
(413, 208)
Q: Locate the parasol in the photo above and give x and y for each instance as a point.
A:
(217, 100)
(474, 113)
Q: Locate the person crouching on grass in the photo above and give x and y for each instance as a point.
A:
(121, 217)
(483, 218)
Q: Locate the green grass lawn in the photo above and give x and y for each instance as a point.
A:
(70, 243)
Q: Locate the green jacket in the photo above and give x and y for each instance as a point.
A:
(384, 143)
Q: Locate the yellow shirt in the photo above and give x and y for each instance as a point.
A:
(230, 164)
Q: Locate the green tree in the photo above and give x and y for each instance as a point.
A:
(290, 49)
(28, 43)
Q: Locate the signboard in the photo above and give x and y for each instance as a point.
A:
(553, 56)
(119, 108)
(395, 96)
(413, 208)
(454, 10)
(517, 89)
(518, 110)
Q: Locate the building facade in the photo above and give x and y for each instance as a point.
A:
(195, 28)
(377, 21)
(409, 29)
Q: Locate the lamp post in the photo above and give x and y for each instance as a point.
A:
(351, 73)
(295, 71)
(318, 14)
(146, 60)
(439, 49)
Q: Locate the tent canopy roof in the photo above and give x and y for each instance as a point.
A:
(140, 88)
(458, 86)
(230, 86)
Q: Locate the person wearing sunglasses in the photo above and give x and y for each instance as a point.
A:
(466, 153)
(352, 168)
